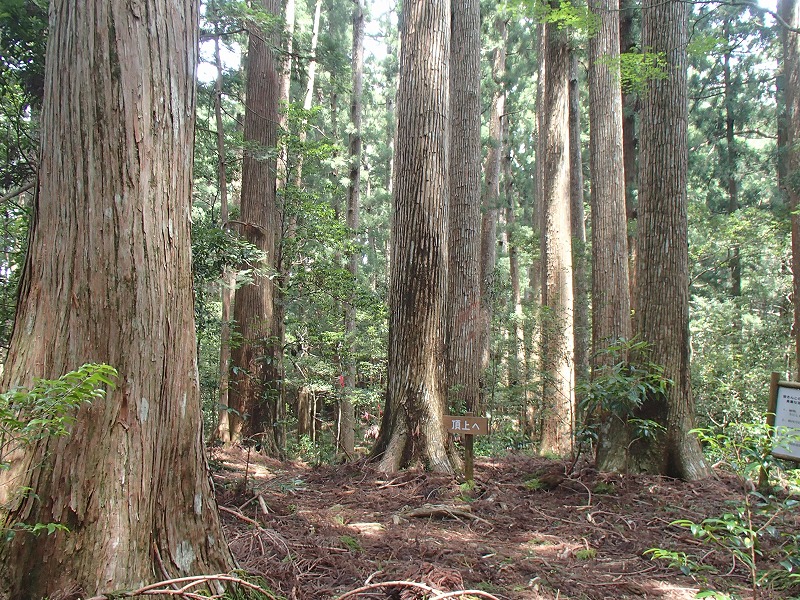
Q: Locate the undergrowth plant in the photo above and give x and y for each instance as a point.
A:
(757, 531)
(617, 390)
(46, 409)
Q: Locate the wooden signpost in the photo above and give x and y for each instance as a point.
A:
(468, 426)
(783, 416)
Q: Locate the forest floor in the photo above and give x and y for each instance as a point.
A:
(525, 530)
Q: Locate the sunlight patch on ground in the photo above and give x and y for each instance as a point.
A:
(670, 591)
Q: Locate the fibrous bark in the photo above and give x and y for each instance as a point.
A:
(463, 306)
(413, 428)
(557, 411)
(108, 279)
(254, 388)
(790, 12)
(662, 256)
(611, 314)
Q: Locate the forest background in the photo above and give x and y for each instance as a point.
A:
(379, 239)
(739, 236)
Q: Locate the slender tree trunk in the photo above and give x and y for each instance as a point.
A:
(114, 189)
(580, 259)
(519, 358)
(630, 140)
(732, 185)
(611, 312)
(223, 432)
(413, 428)
(254, 389)
(662, 256)
(491, 201)
(308, 99)
(463, 335)
(558, 411)
(304, 408)
(532, 423)
(284, 92)
(790, 11)
(347, 416)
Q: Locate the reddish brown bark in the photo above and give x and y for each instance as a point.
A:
(255, 392)
(790, 12)
(558, 411)
(114, 192)
(662, 251)
(413, 428)
(463, 334)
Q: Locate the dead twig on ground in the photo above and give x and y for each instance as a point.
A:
(434, 593)
(164, 588)
(442, 512)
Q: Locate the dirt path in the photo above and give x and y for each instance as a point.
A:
(524, 531)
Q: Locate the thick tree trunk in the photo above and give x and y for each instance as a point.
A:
(790, 11)
(580, 259)
(558, 410)
(255, 389)
(413, 428)
(662, 256)
(114, 190)
(611, 312)
(491, 200)
(346, 413)
(463, 306)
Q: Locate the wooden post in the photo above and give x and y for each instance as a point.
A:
(772, 404)
(468, 426)
(469, 455)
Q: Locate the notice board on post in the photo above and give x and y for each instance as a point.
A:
(784, 416)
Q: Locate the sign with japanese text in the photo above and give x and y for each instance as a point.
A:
(467, 425)
(786, 440)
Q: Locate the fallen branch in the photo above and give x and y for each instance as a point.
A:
(162, 588)
(240, 516)
(435, 594)
(442, 512)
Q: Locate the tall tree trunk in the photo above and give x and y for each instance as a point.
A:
(346, 414)
(491, 202)
(463, 307)
(532, 423)
(518, 355)
(630, 140)
(611, 306)
(255, 388)
(304, 409)
(558, 411)
(223, 431)
(790, 11)
(284, 92)
(732, 185)
(413, 428)
(662, 256)
(580, 276)
(114, 190)
(308, 98)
